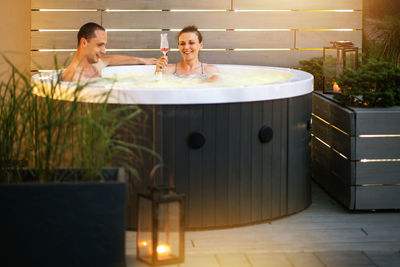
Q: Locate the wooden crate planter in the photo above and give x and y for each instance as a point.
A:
(64, 224)
(356, 153)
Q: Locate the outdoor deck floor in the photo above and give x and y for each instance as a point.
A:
(325, 234)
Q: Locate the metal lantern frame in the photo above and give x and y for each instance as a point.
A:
(159, 195)
(342, 48)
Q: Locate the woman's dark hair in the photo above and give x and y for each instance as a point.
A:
(191, 28)
(87, 31)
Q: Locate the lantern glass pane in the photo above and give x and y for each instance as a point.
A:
(330, 68)
(351, 59)
(169, 230)
(144, 232)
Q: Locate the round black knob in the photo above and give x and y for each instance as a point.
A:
(265, 134)
(196, 140)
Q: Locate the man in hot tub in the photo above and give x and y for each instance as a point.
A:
(89, 58)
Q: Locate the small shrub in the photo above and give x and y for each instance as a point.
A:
(314, 66)
(374, 84)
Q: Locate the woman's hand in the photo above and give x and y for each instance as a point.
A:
(161, 64)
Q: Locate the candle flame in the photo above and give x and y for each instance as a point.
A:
(336, 88)
(163, 251)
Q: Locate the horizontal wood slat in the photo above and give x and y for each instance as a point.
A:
(378, 148)
(336, 139)
(387, 121)
(212, 20)
(151, 40)
(334, 114)
(303, 4)
(239, 20)
(63, 20)
(206, 4)
(377, 173)
(319, 39)
(129, 4)
(265, 58)
(377, 197)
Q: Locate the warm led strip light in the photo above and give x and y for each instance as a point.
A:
(261, 49)
(379, 160)
(378, 135)
(328, 30)
(133, 10)
(380, 184)
(134, 30)
(196, 10)
(262, 10)
(58, 30)
(67, 10)
(262, 30)
(326, 144)
(326, 122)
(207, 30)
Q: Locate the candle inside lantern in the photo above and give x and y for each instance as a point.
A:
(163, 251)
(336, 88)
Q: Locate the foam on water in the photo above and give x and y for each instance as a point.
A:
(232, 78)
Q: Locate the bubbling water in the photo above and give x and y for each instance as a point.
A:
(232, 78)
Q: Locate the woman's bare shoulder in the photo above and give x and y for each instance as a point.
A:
(209, 68)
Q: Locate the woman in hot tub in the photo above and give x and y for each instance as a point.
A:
(190, 42)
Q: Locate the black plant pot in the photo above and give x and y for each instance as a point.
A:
(63, 224)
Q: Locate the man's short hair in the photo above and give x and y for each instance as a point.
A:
(87, 31)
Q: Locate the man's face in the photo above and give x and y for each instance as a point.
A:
(96, 47)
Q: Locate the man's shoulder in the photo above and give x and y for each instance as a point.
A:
(101, 64)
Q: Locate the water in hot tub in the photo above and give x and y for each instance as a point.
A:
(228, 78)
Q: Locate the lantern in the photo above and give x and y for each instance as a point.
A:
(341, 55)
(160, 235)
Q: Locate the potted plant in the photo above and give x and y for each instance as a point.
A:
(356, 137)
(59, 205)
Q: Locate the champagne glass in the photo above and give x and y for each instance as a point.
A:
(164, 46)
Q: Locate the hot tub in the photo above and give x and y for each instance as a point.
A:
(240, 153)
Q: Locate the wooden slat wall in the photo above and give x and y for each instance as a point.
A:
(297, 28)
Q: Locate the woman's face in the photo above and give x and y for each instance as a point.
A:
(189, 46)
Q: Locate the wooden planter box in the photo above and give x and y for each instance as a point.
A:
(64, 224)
(356, 153)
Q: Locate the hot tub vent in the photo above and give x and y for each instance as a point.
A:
(196, 140)
(265, 134)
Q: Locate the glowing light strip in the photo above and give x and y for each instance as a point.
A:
(198, 10)
(380, 185)
(133, 30)
(262, 30)
(261, 49)
(326, 144)
(133, 49)
(378, 135)
(379, 160)
(262, 10)
(211, 30)
(326, 122)
(295, 10)
(58, 30)
(129, 49)
(194, 10)
(133, 10)
(330, 30)
(57, 50)
(326, 10)
(68, 10)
